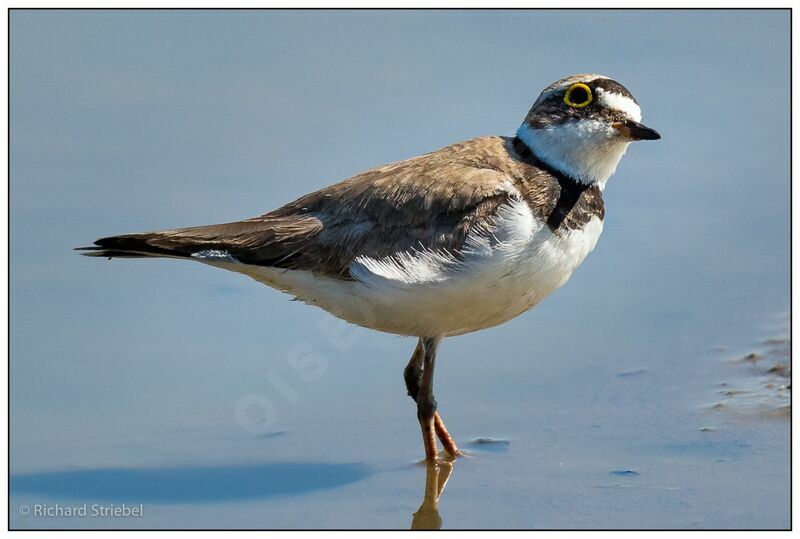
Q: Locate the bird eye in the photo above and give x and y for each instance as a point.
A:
(578, 96)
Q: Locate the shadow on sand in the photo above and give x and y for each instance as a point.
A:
(189, 484)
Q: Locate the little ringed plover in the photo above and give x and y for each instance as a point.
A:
(453, 241)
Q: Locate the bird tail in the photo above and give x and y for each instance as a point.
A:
(132, 246)
(261, 240)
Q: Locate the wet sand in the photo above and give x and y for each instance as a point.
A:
(583, 448)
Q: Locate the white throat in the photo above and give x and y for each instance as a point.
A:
(586, 150)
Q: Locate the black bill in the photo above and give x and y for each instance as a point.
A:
(637, 131)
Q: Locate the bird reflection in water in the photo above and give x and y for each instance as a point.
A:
(427, 516)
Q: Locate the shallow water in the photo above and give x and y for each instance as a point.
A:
(626, 400)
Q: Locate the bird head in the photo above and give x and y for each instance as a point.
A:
(582, 126)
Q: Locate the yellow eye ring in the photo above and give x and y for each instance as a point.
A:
(578, 86)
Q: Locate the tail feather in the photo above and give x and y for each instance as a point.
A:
(131, 246)
(261, 240)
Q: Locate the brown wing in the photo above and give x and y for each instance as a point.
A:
(427, 202)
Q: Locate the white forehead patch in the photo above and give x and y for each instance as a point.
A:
(619, 102)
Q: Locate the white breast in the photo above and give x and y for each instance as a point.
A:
(507, 267)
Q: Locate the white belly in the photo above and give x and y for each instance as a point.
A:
(505, 270)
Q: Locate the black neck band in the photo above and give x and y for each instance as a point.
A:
(571, 189)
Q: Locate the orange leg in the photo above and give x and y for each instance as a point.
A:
(447, 441)
(419, 382)
(413, 376)
(429, 439)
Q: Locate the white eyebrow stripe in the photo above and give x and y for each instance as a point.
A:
(621, 103)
